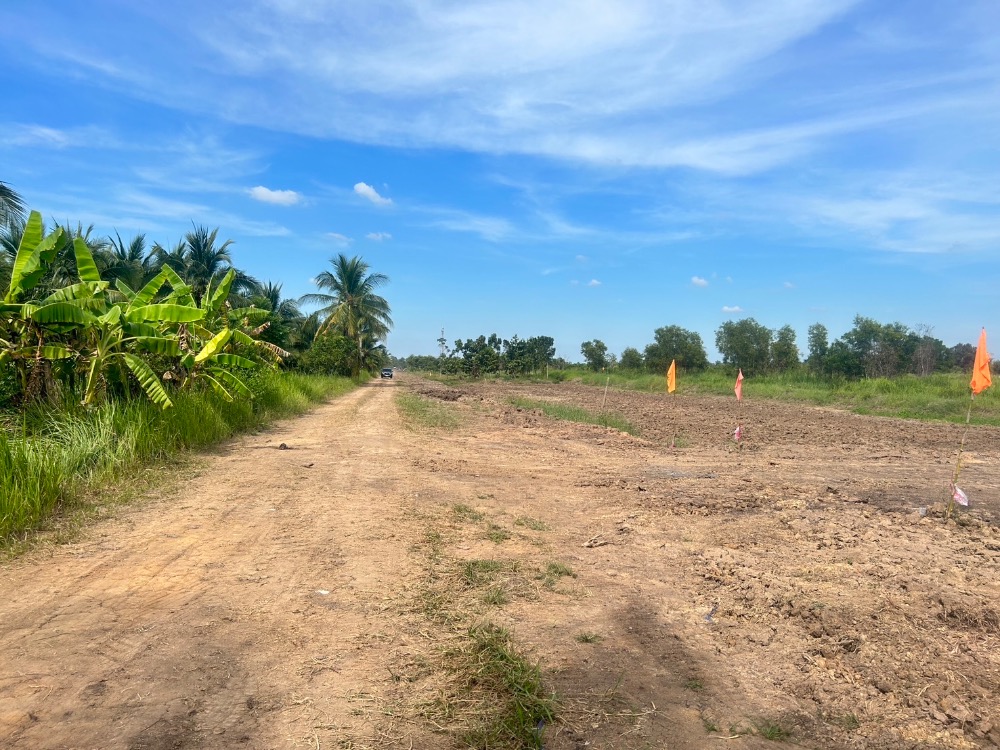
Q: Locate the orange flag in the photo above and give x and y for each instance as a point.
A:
(672, 376)
(739, 386)
(981, 377)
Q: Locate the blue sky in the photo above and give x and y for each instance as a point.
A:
(574, 168)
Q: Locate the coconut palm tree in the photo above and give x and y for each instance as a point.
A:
(11, 204)
(352, 307)
(202, 263)
(131, 263)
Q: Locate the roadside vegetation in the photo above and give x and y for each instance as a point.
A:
(57, 458)
(113, 355)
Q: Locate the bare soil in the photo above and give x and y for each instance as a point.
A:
(790, 588)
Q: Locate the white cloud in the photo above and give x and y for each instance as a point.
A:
(593, 282)
(500, 76)
(732, 309)
(278, 197)
(378, 236)
(492, 228)
(699, 281)
(367, 191)
(581, 258)
(789, 285)
(339, 238)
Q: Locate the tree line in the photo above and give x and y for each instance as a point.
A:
(489, 355)
(870, 349)
(92, 317)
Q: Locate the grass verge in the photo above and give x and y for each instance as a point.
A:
(419, 412)
(576, 414)
(52, 459)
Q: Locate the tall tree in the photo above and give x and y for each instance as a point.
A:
(351, 305)
(819, 346)
(675, 343)
(595, 353)
(129, 262)
(12, 206)
(784, 351)
(745, 344)
(631, 359)
(205, 263)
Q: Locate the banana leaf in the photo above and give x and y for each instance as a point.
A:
(148, 380)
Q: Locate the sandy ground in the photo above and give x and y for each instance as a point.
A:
(790, 588)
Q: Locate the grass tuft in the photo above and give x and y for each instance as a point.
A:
(577, 414)
(467, 513)
(515, 705)
(419, 412)
(531, 523)
(771, 730)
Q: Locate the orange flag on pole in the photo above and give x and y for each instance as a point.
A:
(739, 386)
(672, 376)
(981, 377)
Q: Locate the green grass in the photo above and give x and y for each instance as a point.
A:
(419, 412)
(497, 534)
(552, 573)
(518, 706)
(531, 523)
(577, 414)
(943, 396)
(771, 730)
(589, 638)
(466, 513)
(52, 458)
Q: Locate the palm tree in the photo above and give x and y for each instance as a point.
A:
(202, 264)
(175, 257)
(11, 204)
(130, 263)
(62, 271)
(352, 307)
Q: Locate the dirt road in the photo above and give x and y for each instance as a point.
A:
(282, 598)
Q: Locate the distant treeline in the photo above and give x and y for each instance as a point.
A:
(869, 350)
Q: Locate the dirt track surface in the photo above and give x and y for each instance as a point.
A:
(275, 600)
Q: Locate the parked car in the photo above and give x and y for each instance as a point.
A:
(386, 372)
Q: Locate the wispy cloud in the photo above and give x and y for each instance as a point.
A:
(367, 191)
(339, 239)
(492, 228)
(30, 135)
(788, 285)
(278, 197)
(593, 282)
(730, 309)
(699, 281)
(378, 236)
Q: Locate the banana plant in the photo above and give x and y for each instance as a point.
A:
(213, 365)
(114, 343)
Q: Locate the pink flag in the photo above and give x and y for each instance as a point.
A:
(739, 386)
(958, 496)
(738, 433)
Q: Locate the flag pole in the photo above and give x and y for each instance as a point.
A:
(981, 380)
(958, 461)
